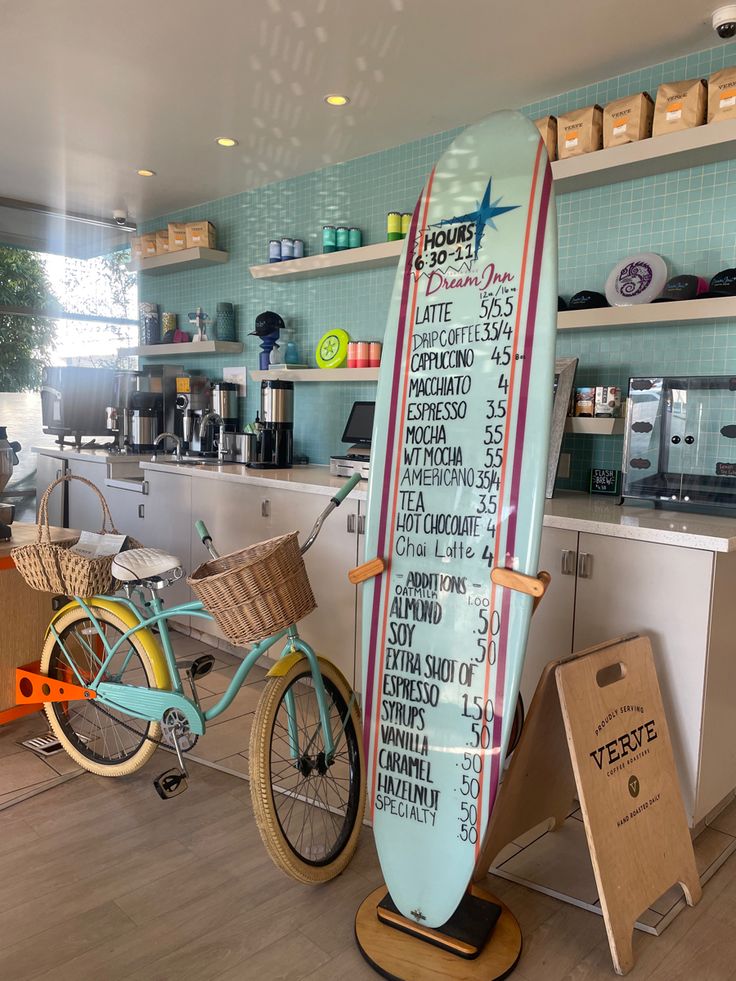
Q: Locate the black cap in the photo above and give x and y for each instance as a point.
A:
(267, 323)
(722, 284)
(561, 305)
(684, 287)
(587, 300)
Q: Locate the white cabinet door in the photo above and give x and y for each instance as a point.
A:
(127, 503)
(84, 511)
(663, 591)
(48, 468)
(330, 629)
(232, 513)
(167, 523)
(550, 634)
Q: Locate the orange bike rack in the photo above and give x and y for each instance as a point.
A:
(32, 688)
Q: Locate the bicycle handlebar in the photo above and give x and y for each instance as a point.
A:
(346, 488)
(335, 502)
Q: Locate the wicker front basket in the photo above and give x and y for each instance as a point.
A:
(52, 568)
(256, 591)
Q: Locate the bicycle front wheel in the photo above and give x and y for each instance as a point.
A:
(99, 738)
(308, 808)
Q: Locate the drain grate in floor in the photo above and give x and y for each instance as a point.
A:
(47, 744)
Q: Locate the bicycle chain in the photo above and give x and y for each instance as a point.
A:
(157, 742)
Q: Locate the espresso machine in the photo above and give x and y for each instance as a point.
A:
(275, 426)
(194, 414)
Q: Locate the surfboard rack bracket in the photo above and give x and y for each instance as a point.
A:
(366, 571)
(535, 586)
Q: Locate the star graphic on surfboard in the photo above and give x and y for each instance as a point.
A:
(485, 213)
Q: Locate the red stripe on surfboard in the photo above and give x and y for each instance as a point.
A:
(371, 727)
(502, 532)
(518, 457)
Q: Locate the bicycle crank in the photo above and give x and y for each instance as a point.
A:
(177, 736)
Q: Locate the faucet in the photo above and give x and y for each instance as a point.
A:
(177, 451)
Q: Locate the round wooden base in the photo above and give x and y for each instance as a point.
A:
(400, 957)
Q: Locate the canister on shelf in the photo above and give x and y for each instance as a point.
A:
(355, 238)
(584, 401)
(374, 354)
(393, 226)
(342, 237)
(274, 250)
(405, 223)
(329, 238)
(168, 326)
(607, 400)
(298, 248)
(363, 353)
(287, 249)
(352, 354)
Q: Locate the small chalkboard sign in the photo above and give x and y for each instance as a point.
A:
(603, 481)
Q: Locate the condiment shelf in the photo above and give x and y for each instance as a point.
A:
(181, 350)
(657, 155)
(603, 426)
(327, 264)
(195, 258)
(319, 375)
(641, 314)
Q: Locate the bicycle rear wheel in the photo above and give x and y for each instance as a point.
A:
(308, 809)
(99, 738)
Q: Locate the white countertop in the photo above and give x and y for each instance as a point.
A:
(602, 516)
(567, 510)
(313, 479)
(99, 455)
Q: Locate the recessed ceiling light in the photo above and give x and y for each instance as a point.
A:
(146, 173)
(226, 141)
(336, 100)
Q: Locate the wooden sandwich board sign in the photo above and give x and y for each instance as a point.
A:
(596, 728)
(460, 443)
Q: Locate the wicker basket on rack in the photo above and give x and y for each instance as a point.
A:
(256, 591)
(52, 568)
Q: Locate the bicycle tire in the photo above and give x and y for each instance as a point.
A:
(97, 739)
(299, 858)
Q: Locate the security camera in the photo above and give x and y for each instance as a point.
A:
(121, 216)
(724, 21)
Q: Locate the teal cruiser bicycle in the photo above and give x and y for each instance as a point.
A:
(114, 692)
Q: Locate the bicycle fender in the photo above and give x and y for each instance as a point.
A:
(285, 664)
(126, 615)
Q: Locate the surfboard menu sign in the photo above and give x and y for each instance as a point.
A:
(458, 474)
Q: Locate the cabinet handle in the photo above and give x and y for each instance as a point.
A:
(141, 510)
(351, 524)
(567, 564)
(361, 524)
(58, 474)
(265, 508)
(585, 565)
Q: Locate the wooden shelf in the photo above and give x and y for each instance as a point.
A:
(348, 260)
(657, 155)
(654, 314)
(174, 351)
(319, 375)
(594, 427)
(195, 258)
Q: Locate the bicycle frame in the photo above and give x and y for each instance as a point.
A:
(152, 703)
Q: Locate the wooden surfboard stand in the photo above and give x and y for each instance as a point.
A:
(597, 724)
(482, 940)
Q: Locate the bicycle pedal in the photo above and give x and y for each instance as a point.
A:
(201, 666)
(171, 783)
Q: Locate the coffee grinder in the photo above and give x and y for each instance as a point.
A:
(275, 426)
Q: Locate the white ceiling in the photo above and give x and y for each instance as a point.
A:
(94, 89)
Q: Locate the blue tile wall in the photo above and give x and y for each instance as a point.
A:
(688, 216)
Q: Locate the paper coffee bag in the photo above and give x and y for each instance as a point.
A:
(579, 131)
(722, 95)
(547, 127)
(679, 105)
(628, 120)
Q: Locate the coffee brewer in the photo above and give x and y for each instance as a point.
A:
(275, 427)
(142, 407)
(193, 408)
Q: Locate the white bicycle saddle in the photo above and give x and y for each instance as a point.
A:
(145, 563)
